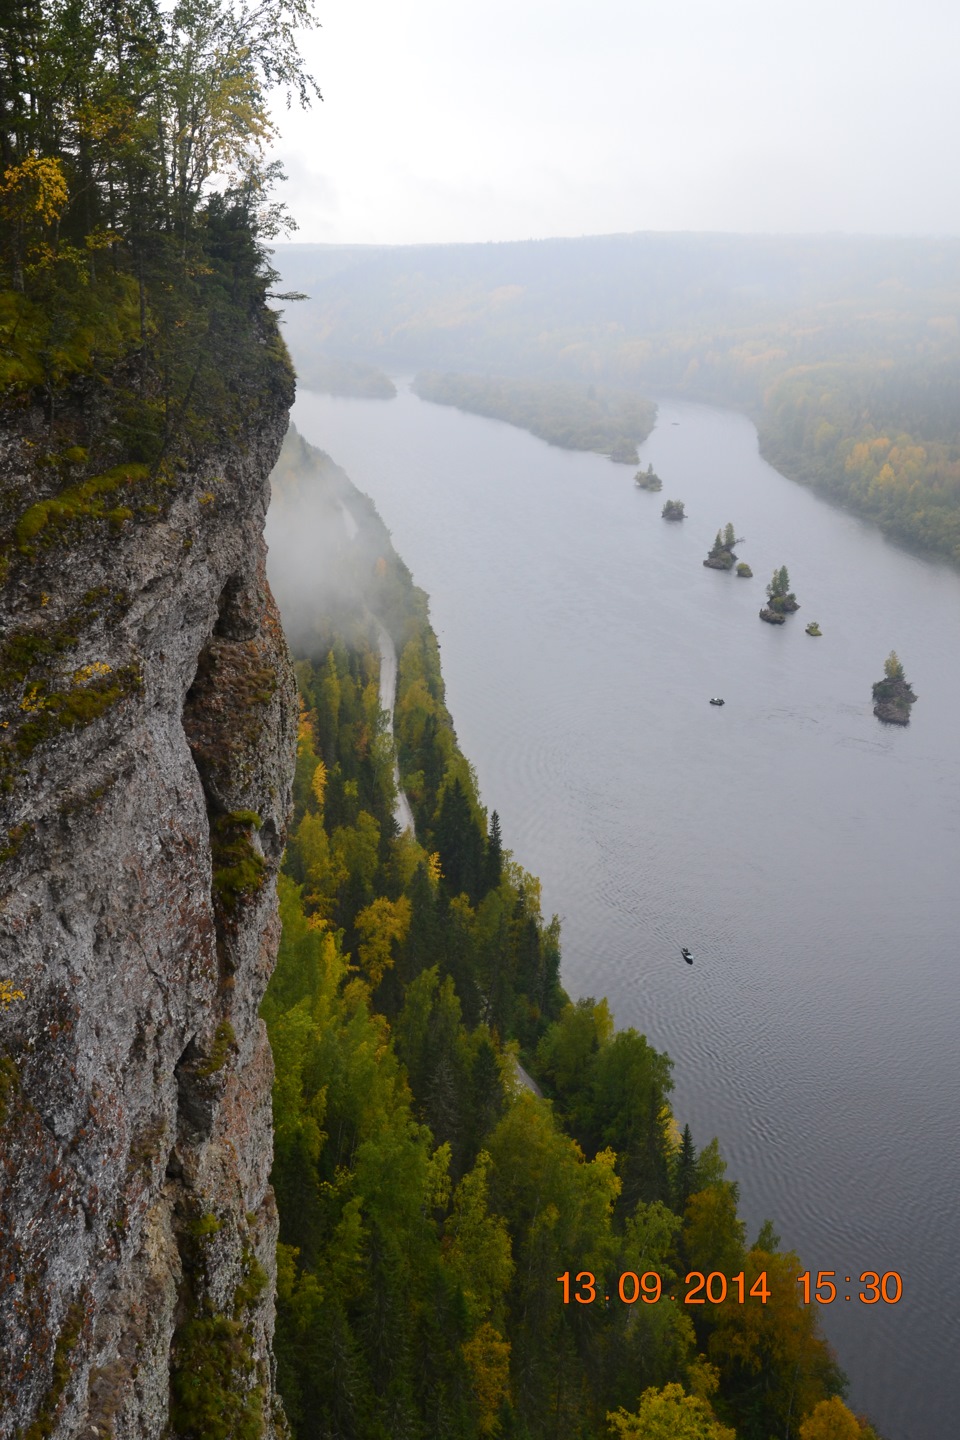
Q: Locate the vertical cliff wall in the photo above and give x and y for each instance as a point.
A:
(146, 752)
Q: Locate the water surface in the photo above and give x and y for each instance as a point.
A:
(806, 853)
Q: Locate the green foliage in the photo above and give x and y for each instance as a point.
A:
(212, 1394)
(569, 1047)
(117, 121)
(893, 695)
(51, 339)
(204, 1226)
(780, 598)
(216, 1382)
(721, 555)
(674, 510)
(224, 1040)
(611, 1089)
(460, 841)
(648, 479)
(251, 1287)
(427, 1202)
(238, 866)
(133, 274)
(669, 1414)
(779, 585)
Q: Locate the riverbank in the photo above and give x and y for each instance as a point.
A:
(573, 622)
(610, 421)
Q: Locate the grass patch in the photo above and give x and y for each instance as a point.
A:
(212, 1387)
(239, 870)
(211, 1394)
(224, 1041)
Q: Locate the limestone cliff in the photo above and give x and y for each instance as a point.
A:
(146, 758)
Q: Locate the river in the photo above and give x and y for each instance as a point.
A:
(806, 853)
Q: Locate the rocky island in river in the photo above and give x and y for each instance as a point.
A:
(893, 695)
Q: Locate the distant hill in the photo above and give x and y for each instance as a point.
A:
(845, 350)
(574, 304)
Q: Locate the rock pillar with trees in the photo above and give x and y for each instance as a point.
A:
(648, 479)
(781, 600)
(721, 555)
(893, 695)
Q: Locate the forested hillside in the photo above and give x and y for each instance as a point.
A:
(448, 1237)
(845, 351)
(577, 417)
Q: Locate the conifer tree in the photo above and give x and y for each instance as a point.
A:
(684, 1171)
(494, 856)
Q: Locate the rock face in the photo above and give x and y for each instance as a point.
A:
(147, 754)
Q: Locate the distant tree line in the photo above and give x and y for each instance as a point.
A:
(845, 352)
(575, 416)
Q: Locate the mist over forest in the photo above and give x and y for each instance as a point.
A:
(845, 351)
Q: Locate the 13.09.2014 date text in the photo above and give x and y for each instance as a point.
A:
(700, 1289)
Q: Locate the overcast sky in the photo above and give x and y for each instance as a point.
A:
(458, 120)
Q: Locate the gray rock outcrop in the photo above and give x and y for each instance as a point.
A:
(146, 756)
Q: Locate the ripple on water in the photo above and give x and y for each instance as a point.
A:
(806, 854)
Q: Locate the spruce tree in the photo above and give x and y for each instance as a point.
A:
(493, 869)
(684, 1171)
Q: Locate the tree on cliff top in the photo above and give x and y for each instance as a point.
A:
(135, 199)
(144, 112)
